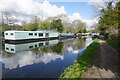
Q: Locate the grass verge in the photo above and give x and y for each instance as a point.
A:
(82, 63)
(113, 44)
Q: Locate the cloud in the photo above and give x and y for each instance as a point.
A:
(25, 58)
(25, 9)
(99, 4)
(91, 22)
(75, 16)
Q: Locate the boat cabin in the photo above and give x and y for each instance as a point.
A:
(21, 35)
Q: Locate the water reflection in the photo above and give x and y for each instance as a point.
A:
(13, 48)
(55, 55)
(29, 58)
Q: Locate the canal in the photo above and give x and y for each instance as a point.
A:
(44, 59)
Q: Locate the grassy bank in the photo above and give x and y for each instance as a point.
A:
(114, 44)
(82, 63)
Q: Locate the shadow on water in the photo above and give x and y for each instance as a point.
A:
(44, 59)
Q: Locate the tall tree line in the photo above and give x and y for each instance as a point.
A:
(109, 21)
(58, 23)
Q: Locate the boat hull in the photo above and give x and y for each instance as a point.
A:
(28, 40)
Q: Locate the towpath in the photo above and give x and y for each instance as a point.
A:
(105, 65)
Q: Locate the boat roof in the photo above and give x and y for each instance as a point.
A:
(32, 31)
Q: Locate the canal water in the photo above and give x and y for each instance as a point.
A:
(43, 59)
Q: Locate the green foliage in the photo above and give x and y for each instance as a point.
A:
(57, 48)
(109, 18)
(57, 25)
(114, 44)
(83, 62)
(30, 27)
(6, 27)
(45, 25)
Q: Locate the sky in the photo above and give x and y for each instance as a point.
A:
(24, 10)
(83, 8)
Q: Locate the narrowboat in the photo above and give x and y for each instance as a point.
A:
(11, 36)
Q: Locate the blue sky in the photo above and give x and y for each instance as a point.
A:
(83, 8)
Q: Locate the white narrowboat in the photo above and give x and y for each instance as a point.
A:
(28, 35)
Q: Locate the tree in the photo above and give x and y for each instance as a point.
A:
(7, 21)
(79, 26)
(57, 25)
(108, 23)
(45, 25)
(31, 26)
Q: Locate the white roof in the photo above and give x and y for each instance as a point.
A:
(23, 31)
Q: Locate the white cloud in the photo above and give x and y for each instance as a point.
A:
(23, 10)
(75, 16)
(91, 22)
(25, 58)
(28, 8)
(99, 4)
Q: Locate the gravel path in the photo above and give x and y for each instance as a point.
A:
(105, 65)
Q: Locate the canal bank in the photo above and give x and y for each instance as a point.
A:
(83, 62)
(105, 64)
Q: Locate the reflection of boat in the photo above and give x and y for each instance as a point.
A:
(22, 36)
(63, 40)
(13, 48)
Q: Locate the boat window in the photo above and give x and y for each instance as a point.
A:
(11, 33)
(47, 34)
(30, 46)
(35, 34)
(40, 34)
(46, 43)
(6, 33)
(7, 48)
(30, 33)
(35, 45)
(12, 49)
(40, 44)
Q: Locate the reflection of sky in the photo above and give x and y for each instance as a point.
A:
(25, 58)
(28, 58)
(49, 64)
(88, 41)
(71, 49)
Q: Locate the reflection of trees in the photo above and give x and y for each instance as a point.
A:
(45, 49)
(76, 44)
(36, 50)
(57, 48)
(79, 43)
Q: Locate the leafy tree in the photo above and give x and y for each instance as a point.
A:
(109, 19)
(57, 25)
(6, 27)
(79, 26)
(31, 26)
(45, 25)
